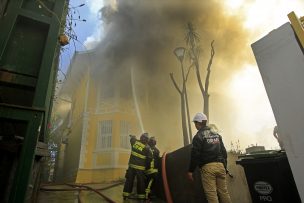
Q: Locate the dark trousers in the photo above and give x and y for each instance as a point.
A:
(131, 173)
(150, 184)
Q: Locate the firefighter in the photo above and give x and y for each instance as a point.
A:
(153, 169)
(140, 159)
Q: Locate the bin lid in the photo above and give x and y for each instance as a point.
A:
(267, 155)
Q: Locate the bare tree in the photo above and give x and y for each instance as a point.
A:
(192, 40)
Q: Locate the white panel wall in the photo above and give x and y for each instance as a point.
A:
(281, 62)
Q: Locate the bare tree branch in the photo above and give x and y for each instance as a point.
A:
(212, 53)
(198, 75)
(192, 37)
(188, 71)
(175, 84)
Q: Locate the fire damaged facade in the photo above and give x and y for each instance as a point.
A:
(101, 117)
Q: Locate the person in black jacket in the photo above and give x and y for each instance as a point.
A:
(139, 161)
(209, 154)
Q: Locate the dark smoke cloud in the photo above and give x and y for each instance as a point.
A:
(143, 33)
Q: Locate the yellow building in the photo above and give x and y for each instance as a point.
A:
(102, 115)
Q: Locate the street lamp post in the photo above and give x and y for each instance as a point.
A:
(180, 54)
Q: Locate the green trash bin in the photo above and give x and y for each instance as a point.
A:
(269, 177)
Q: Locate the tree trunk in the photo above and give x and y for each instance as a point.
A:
(206, 104)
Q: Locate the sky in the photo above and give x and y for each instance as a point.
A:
(239, 103)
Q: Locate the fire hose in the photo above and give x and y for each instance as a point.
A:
(165, 181)
(80, 188)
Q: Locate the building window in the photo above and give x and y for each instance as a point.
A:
(104, 139)
(108, 89)
(124, 135)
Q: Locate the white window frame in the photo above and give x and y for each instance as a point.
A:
(104, 136)
(125, 129)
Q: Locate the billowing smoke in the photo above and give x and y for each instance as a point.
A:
(142, 34)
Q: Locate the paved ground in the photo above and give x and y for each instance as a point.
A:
(85, 196)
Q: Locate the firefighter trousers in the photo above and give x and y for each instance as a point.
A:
(131, 173)
(150, 186)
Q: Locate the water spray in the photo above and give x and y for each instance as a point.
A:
(136, 102)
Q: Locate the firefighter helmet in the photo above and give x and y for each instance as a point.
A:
(144, 137)
(152, 141)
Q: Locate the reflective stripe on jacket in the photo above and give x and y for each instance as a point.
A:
(141, 155)
(154, 163)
